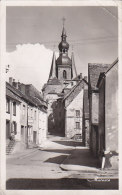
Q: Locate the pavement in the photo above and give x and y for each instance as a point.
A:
(81, 160)
(60, 162)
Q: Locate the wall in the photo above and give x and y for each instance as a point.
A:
(16, 118)
(42, 133)
(61, 68)
(101, 131)
(87, 132)
(93, 121)
(95, 108)
(59, 115)
(23, 122)
(71, 119)
(52, 102)
(86, 117)
(32, 125)
(111, 109)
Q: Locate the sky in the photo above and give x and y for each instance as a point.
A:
(33, 33)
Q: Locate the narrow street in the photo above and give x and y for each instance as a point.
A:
(40, 168)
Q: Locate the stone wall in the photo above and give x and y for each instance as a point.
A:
(71, 118)
(111, 116)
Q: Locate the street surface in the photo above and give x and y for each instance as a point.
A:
(40, 169)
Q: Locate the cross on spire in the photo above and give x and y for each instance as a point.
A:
(63, 19)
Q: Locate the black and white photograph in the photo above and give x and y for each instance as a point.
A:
(61, 97)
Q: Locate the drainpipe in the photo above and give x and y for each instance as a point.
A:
(27, 127)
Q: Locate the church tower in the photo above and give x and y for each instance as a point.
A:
(63, 62)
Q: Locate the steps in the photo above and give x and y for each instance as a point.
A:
(10, 146)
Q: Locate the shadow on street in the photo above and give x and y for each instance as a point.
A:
(64, 151)
(57, 159)
(70, 143)
(83, 157)
(59, 184)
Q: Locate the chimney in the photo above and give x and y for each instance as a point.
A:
(10, 80)
(15, 84)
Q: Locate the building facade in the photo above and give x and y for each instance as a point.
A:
(94, 71)
(108, 116)
(13, 102)
(26, 115)
(85, 124)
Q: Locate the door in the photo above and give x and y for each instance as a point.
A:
(7, 129)
(34, 137)
(22, 134)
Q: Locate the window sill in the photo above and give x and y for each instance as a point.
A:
(8, 112)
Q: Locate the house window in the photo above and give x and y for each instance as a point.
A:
(14, 127)
(14, 108)
(77, 125)
(77, 113)
(64, 74)
(7, 105)
(23, 111)
(31, 113)
(35, 115)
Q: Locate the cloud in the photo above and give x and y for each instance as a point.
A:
(30, 64)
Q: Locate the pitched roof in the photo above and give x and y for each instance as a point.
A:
(94, 70)
(75, 91)
(16, 94)
(111, 66)
(103, 74)
(12, 95)
(54, 81)
(53, 67)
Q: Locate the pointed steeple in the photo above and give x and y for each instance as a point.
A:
(63, 34)
(53, 68)
(74, 71)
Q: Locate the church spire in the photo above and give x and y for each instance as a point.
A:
(53, 67)
(74, 71)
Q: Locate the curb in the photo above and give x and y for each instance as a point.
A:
(97, 173)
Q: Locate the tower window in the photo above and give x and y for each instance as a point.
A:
(64, 74)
